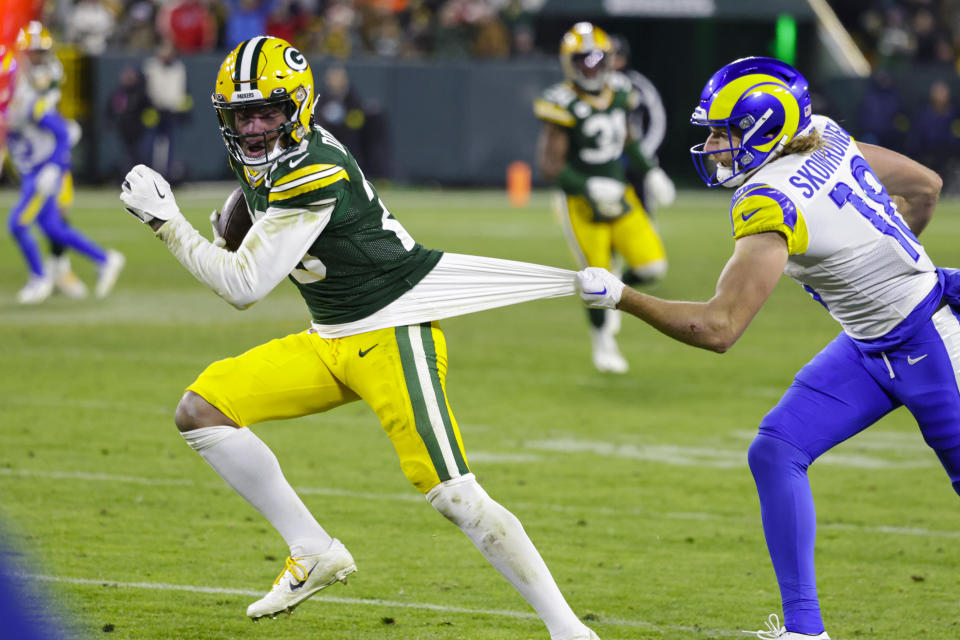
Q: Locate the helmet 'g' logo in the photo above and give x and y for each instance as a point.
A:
(294, 59)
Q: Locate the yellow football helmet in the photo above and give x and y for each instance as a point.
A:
(260, 72)
(585, 55)
(34, 37)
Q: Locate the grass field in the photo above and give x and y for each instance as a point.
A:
(635, 487)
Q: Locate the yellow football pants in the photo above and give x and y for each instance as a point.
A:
(400, 372)
(592, 242)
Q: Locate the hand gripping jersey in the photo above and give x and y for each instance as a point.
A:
(849, 247)
(597, 124)
(363, 259)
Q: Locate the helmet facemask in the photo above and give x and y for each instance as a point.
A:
(586, 55)
(591, 70)
(257, 150)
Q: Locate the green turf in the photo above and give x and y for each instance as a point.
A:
(635, 488)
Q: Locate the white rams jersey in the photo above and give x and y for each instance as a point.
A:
(848, 245)
(30, 145)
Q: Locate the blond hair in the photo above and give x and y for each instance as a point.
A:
(804, 144)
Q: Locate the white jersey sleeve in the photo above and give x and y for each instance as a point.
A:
(849, 247)
(275, 244)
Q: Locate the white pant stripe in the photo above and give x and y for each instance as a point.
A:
(948, 327)
(430, 400)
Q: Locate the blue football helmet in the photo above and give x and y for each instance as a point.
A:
(762, 101)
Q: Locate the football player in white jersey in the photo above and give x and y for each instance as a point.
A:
(39, 140)
(841, 218)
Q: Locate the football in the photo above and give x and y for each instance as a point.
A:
(234, 220)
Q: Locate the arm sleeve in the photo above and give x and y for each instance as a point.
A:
(272, 248)
(572, 181)
(638, 159)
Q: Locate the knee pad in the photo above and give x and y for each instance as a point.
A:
(458, 497)
(647, 274)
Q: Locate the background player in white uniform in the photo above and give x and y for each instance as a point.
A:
(841, 218)
(39, 140)
(372, 292)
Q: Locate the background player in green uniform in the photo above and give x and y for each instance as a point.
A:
(585, 135)
(372, 292)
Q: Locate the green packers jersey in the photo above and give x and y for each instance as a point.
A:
(363, 259)
(597, 124)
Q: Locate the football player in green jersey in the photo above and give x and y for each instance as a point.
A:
(372, 292)
(584, 138)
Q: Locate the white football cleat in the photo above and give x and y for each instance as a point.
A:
(37, 289)
(589, 636)
(64, 279)
(303, 577)
(775, 632)
(109, 272)
(606, 353)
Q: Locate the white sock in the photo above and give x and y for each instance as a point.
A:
(246, 463)
(500, 537)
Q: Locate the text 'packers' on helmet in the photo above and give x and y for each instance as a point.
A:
(585, 53)
(763, 102)
(34, 37)
(260, 75)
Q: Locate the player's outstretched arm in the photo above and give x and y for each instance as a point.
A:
(915, 188)
(745, 283)
(552, 146)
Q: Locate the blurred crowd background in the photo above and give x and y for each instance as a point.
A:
(339, 28)
(142, 69)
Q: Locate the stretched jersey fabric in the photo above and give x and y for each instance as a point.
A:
(597, 124)
(849, 247)
(363, 259)
(319, 222)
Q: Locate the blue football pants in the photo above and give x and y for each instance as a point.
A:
(34, 207)
(838, 394)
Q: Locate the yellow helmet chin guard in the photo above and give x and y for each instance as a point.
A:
(261, 72)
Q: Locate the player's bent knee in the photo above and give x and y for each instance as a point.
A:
(194, 412)
(647, 274)
(453, 498)
(768, 454)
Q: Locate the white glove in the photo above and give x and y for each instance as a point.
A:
(606, 194)
(599, 288)
(659, 187)
(75, 131)
(218, 240)
(48, 180)
(148, 196)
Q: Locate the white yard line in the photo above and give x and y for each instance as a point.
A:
(376, 602)
(413, 497)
